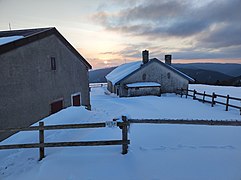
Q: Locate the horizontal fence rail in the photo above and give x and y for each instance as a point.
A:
(213, 96)
(42, 144)
(65, 144)
(190, 122)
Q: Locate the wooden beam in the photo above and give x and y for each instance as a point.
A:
(65, 144)
(41, 140)
(54, 127)
(190, 122)
(124, 135)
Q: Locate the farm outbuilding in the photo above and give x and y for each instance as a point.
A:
(146, 77)
(41, 73)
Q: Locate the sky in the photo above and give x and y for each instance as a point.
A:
(113, 32)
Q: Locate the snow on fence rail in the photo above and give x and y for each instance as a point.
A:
(96, 85)
(41, 144)
(211, 98)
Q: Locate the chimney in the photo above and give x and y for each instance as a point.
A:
(145, 56)
(168, 59)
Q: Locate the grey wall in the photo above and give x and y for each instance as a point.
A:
(155, 72)
(28, 85)
(144, 91)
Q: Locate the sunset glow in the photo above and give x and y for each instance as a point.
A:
(115, 32)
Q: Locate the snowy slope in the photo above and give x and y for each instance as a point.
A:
(122, 71)
(156, 151)
(222, 90)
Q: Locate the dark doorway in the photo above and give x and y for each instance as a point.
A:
(76, 100)
(56, 106)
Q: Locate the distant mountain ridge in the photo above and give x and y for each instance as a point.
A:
(230, 69)
(206, 76)
(205, 73)
(98, 75)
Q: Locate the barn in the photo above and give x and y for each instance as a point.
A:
(41, 73)
(146, 77)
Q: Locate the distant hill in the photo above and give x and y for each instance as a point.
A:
(98, 75)
(229, 69)
(206, 76)
(235, 81)
(205, 73)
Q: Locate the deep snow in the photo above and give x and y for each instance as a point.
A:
(156, 151)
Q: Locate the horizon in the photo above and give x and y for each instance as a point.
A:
(113, 33)
(181, 62)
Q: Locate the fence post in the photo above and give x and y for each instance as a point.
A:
(124, 135)
(227, 102)
(181, 92)
(41, 140)
(186, 92)
(213, 99)
(204, 96)
(194, 94)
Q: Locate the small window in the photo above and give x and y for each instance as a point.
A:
(144, 77)
(168, 75)
(53, 63)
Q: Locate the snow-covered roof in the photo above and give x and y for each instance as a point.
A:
(122, 71)
(4, 40)
(143, 84)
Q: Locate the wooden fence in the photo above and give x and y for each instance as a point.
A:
(213, 96)
(42, 144)
(122, 125)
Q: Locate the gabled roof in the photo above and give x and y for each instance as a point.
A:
(125, 70)
(122, 71)
(17, 38)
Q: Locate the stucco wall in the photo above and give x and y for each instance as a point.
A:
(28, 85)
(155, 72)
(142, 91)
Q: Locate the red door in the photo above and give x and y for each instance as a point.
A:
(76, 100)
(56, 106)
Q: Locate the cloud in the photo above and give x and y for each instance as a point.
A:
(214, 24)
(223, 36)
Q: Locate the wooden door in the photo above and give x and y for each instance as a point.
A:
(76, 100)
(56, 106)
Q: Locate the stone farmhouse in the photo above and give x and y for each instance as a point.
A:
(40, 74)
(146, 77)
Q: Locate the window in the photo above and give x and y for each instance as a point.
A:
(144, 77)
(53, 63)
(168, 75)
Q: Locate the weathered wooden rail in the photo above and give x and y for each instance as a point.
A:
(42, 144)
(213, 96)
(187, 122)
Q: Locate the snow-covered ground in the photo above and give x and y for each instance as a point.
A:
(156, 151)
(221, 90)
